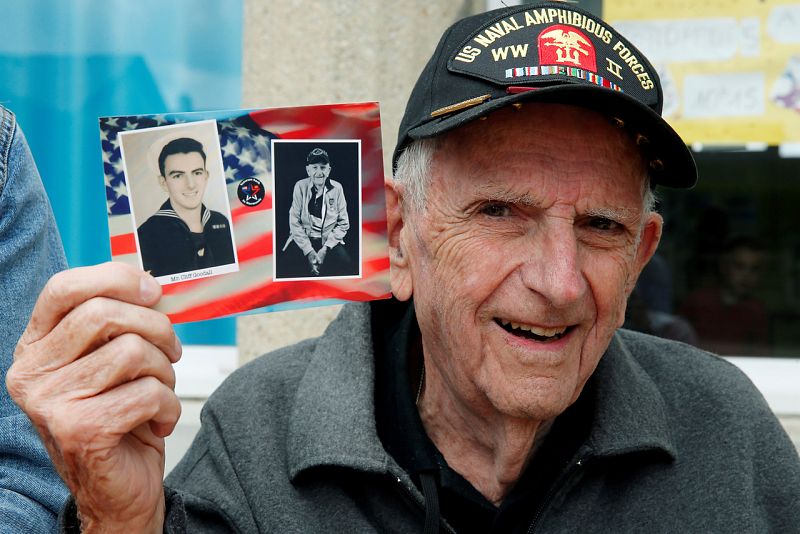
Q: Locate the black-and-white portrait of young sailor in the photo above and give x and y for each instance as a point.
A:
(317, 211)
(183, 235)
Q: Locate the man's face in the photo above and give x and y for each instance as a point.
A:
(185, 178)
(522, 260)
(318, 172)
(741, 271)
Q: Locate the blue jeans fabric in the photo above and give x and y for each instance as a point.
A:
(31, 493)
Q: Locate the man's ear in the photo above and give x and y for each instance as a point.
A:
(400, 271)
(648, 243)
(163, 183)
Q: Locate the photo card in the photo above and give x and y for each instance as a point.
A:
(250, 210)
(178, 201)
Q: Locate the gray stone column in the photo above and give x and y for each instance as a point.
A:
(300, 52)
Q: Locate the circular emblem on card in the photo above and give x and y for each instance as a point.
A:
(251, 192)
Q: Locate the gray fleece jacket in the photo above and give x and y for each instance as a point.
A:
(681, 441)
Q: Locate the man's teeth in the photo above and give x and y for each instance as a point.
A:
(538, 331)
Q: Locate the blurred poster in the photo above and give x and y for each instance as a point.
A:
(730, 69)
(240, 211)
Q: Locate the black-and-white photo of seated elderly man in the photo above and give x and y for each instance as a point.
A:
(318, 223)
(184, 235)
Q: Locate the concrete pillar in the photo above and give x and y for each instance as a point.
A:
(299, 52)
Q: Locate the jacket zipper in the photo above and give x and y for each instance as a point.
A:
(574, 468)
(414, 499)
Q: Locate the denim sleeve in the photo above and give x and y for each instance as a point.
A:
(31, 493)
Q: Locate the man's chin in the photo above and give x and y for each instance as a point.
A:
(534, 399)
(189, 206)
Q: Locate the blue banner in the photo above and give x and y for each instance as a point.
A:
(64, 64)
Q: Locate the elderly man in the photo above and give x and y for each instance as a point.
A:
(495, 394)
(318, 222)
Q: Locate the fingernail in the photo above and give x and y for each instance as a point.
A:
(148, 288)
(178, 346)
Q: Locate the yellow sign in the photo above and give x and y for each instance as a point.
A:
(730, 68)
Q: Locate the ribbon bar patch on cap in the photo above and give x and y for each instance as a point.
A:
(554, 43)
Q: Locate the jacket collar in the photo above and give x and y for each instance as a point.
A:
(333, 417)
(630, 414)
(333, 420)
(166, 210)
(328, 186)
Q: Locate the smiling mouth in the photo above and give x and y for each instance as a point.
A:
(533, 332)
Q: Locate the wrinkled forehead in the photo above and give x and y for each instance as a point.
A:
(539, 134)
(546, 151)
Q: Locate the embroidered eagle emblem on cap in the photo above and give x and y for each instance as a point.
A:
(565, 45)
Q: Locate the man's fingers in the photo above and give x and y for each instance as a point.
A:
(103, 420)
(67, 289)
(94, 323)
(145, 400)
(124, 359)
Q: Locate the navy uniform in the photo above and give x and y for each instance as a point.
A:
(169, 247)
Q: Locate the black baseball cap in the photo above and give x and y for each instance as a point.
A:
(317, 155)
(548, 52)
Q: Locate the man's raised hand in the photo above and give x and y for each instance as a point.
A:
(93, 371)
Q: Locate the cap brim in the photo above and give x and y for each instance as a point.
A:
(664, 147)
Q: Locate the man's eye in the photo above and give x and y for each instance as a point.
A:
(602, 223)
(496, 209)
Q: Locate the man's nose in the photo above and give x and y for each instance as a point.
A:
(553, 268)
(191, 182)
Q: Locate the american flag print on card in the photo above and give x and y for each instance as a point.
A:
(243, 161)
